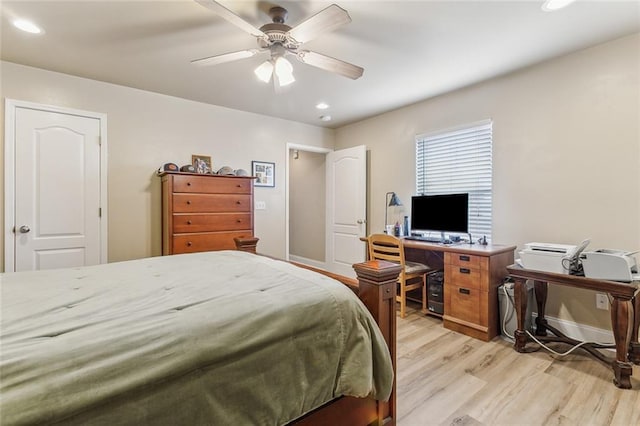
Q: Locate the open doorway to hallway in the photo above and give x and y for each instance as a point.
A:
(307, 205)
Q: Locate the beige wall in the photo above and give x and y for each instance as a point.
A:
(566, 154)
(307, 205)
(146, 130)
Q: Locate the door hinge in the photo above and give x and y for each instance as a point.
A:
(99, 140)
(99, 211)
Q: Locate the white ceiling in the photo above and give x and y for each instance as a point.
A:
(410, 50)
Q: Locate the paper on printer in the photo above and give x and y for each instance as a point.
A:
(609, 264)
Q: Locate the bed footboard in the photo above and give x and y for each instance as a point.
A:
(377, 289)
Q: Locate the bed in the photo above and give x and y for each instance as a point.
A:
(224, 337)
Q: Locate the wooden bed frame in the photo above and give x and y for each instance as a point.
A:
(376, 287)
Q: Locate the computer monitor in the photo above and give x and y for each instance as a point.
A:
(441, 213)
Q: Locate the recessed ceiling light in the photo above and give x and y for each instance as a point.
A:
(325, 117)
(27, 26)
(322, 105)
(551, 5)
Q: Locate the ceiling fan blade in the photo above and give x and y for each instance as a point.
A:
(322, 22)
(226, 57)
(231, 17)
(328, 63)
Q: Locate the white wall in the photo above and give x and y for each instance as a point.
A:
(566, 154)
(146, 130)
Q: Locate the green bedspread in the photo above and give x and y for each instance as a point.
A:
(217, 338)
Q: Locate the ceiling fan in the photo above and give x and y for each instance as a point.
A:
(281, 40)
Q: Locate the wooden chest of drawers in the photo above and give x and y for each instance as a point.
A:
(205, 212)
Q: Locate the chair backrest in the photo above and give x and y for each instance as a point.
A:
(386, 247)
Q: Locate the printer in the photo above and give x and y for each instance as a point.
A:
(547, 257)
(608, 264)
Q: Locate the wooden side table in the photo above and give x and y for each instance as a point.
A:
(625, 317)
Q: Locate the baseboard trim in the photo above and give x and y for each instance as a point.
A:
(311, 262)
(579, 331)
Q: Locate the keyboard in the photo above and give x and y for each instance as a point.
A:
(425, 239)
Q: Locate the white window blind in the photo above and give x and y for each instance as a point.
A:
(457, 161)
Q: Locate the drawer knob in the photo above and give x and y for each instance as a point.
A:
(188, 222)
(239, 186)
(464, 291)
(238, 221)
(465, 271)
(188, 201)
(238, 202)
(188, 183)
(189, 244)
(465, 258)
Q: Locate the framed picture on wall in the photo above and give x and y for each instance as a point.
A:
(264, 172)
(202, 163)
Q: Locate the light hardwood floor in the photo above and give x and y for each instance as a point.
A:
(446, 378)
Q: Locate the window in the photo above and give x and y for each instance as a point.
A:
(455, 161)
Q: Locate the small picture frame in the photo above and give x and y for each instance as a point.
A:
(202, 163)
(264, 172)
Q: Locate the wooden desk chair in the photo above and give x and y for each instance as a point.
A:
(390, 248)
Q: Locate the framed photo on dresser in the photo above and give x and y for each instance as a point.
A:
(202, 163)
(264, 172)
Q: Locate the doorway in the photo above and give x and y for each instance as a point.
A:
(334, 182)
(55, 187)
(306, 204)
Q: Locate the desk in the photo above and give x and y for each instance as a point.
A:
(472, 275)
(625, 317)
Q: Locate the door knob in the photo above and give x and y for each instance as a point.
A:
(24, 229)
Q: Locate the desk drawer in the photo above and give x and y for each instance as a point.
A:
(464, 303)
(463, 260)
(211, 203)
(211, 185)
(463, 276)
(191, 243)
(210, 222)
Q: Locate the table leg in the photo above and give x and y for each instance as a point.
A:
(621, 321)
(634, 345)
(541, 288)
(520, 299)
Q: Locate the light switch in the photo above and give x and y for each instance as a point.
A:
(261, 205)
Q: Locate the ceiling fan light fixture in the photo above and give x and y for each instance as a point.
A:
(264, 71)
(284, 71)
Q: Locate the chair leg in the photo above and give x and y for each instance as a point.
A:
(403, 300)
(424, 294)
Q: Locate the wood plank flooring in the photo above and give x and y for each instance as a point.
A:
(446, 378)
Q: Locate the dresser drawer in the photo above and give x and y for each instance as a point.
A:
(211, 222)
(211, 203)
(463, 260)
(191, 243)
(463, 276)
(464, 303)
(211, 184)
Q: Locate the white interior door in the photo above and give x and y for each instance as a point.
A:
(346, 209)
(57, 190)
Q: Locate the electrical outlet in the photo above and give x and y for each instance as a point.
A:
(261, 205)
(602, 301)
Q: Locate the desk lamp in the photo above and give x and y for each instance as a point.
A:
(393, 202)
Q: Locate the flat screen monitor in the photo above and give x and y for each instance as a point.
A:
(442, 213)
